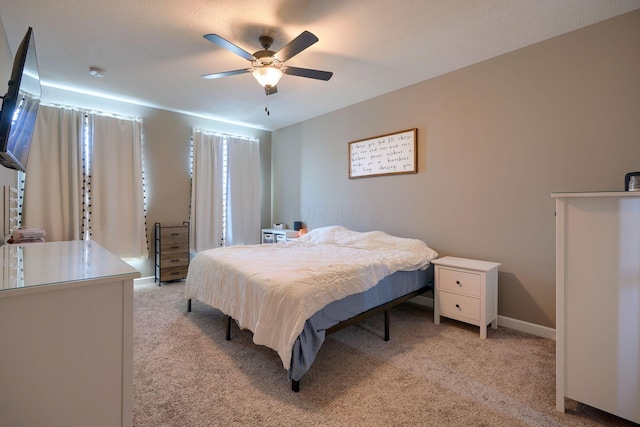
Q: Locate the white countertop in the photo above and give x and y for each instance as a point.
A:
(37, 264)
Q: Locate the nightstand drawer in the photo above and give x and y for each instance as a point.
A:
(454, 305)
(459, 281)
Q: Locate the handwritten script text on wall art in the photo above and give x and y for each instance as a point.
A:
(389, 154)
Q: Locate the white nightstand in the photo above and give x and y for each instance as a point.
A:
(466, 290)
(277, 235)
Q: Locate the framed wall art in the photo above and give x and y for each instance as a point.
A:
(390, 154)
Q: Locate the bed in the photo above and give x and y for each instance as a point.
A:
(290, 295)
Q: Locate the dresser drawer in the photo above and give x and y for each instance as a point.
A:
(174, 260)
(463, 282)
(173, 247)
(175, 234)
(455, 306)
(173, 273)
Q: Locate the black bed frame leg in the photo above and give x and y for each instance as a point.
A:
(386, 325)
(228, 337)
(295, 385)
(189, 305)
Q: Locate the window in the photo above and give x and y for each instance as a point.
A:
(225, 190)
(84, 180)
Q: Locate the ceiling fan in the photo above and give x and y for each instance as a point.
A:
(268, 66)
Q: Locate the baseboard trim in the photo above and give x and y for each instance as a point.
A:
(422, 300)
(144, 280)
(529, 328)
(506, 322)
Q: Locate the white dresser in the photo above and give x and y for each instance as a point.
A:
(466, 290)
(598, 301)
(66, 336)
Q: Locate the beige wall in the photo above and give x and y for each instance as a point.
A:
(494, 140)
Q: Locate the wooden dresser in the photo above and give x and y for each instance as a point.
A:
(172, 252)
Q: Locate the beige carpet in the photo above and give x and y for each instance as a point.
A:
(187, 374)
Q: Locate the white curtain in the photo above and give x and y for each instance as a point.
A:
(243, 192)
(117, 217)
(53, 180)
(207, 207)
(225, 192)
(84, 180)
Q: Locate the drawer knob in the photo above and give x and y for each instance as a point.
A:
(458, 283)
(458, 306)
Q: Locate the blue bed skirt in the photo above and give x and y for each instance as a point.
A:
(312, 337)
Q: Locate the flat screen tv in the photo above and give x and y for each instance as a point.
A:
(20, 106)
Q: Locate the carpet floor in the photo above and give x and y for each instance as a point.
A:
(187, 374)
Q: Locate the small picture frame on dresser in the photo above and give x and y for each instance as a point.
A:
(632, 181)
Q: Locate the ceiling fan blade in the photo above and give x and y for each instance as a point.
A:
(271, 90)
(214, 38)
(295, 46)
(225, 74)
(306, 72)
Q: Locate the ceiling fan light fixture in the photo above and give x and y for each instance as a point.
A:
(267, 66)
(267, 76)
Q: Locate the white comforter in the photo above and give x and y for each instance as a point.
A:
(273, 289)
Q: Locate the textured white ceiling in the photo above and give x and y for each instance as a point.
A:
(154, 53)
